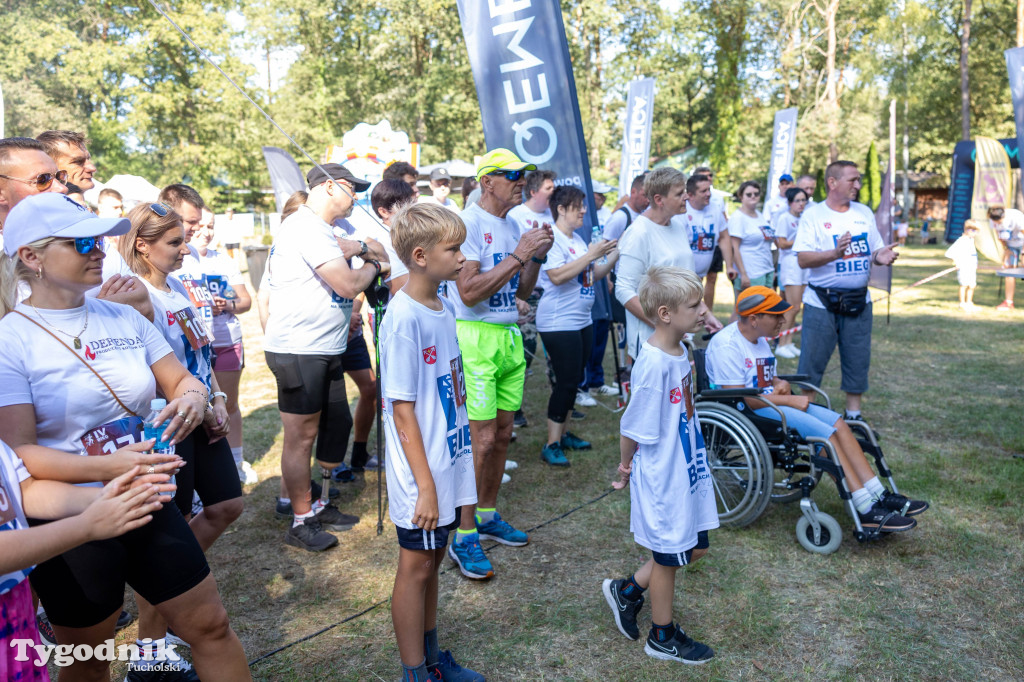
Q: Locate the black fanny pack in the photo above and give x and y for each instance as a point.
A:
(845, 302)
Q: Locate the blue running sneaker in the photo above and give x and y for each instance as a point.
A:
(450, 671)
(553, 455)
(570, 441)
(470, 558)
(501, 531)
(342, 474)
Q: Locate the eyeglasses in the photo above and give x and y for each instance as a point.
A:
(160, 209)
(84, 245)
(751, 194)
(43, 180)
(510, 175)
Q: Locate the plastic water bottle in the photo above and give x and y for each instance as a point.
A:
(598, 236)
(151, 430)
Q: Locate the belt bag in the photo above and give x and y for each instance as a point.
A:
(845, 302)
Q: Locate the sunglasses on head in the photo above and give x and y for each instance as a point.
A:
(510, 175)
(84, 245)
(43, 180)
(160, 209)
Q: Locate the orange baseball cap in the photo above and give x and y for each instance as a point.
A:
(754, 300)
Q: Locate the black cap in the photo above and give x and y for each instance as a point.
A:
(335, 171)
(440, 174)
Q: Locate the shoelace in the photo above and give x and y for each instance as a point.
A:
(476, 552)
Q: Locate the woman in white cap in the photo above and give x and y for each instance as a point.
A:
(78, 373)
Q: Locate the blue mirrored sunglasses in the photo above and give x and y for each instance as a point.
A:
(84, 245)
(510, 175)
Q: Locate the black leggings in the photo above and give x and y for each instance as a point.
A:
(568, 353)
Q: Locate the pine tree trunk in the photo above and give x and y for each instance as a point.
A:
(965, 92)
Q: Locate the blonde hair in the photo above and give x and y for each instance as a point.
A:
(13, 271)
(661, 180)
(668, 286)
(425, 225)
(149, 227)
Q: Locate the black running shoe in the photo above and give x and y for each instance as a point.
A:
(124, 620)
(901, 504)
(880, 519)
(576, 415)
(310, 536)
(519, 420)
(332, 518)
(283, 510)
(680, 648)
(46, 634)
(623, 609)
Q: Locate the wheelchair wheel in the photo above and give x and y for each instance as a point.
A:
(831, 534)
(741, 465)
(785, 486)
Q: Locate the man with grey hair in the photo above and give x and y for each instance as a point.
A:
(68, 149)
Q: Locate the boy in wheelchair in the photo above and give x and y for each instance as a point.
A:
(739, 357)
(664, 462)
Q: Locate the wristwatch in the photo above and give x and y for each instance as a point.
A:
(539, 261)
(363, 248)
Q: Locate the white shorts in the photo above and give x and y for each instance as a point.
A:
(967, 277)
(790, 272)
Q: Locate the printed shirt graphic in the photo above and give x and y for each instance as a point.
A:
(421, 362)
(820, 230)
(671, 493)
(69, 401)
(755, 243)
(489, 240)
(704, 227)
(565, 307)
(219, 274)
(786, 226)
(731, 360)
(192, 275)
(307, 317)
(12, 473)
(183, 328)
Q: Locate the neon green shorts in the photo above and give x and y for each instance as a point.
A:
(495, 367)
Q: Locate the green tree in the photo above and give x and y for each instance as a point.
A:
(871, 180)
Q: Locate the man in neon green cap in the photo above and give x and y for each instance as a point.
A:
(501, 266)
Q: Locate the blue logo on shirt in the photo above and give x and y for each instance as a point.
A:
(458, 438)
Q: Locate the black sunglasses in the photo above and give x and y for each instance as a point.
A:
(510, 175)
(43, 180)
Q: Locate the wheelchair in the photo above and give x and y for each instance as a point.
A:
(755, 461)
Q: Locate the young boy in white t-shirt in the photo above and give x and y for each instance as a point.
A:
(964, 255)
(429, 459)
(665, 463)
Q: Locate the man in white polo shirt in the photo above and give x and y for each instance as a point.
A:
(502, 265)
(311, 296)
(838, 242)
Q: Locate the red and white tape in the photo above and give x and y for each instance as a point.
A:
(794, 330)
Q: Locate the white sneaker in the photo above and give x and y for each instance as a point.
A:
(373, 462)
(246, 474)
(505, 478)
(510, 465)
(796, 349)
(584, 399)
(606, 390)
(785, 351)
(197, 504)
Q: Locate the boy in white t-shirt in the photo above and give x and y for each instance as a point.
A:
(665, 463)
(964, 255)
(429, 461)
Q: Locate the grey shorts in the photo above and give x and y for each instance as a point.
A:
(822, 332)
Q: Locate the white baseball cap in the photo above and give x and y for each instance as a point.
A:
(55, 215)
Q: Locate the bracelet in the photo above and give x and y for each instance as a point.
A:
(539, 261)
(234, 304)
(218, 394)
(204, 396)
(374, 263)
(522, 263)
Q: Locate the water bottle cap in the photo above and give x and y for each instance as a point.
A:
(157, 404)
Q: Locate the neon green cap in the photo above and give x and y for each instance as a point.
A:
(501, 159)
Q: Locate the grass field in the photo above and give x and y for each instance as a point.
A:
(941, 602)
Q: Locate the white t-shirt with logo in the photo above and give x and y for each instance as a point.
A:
(731, 360)
(307, 317)
(523, 217)
(820, 230)
(786, 226)
(183, 328)
(756, 237)
(69, 401)
(12, 516)
(219, 273)
(704, 227)
(421, 362)
(645, 245)
(489, 240)
(672, 497)
(566, 306)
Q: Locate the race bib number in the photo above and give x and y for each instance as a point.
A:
(855, 258)
(768, 232)
(705, 242)
(200, 296)
(193, 328)
(858, 247)
(765, 372)
(458, 382)
(218, 286)
(688, 394)
(112, 436)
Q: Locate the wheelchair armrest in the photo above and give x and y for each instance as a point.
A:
(792, 377)
(728, 393)
(807, 386)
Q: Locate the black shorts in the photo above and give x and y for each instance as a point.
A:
(717, 261)
(426, 540)
(209, 470)
(356, 357)
(681, 558)
(305, 383)
(85, 585)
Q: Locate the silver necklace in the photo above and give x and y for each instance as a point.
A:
(76, 337)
